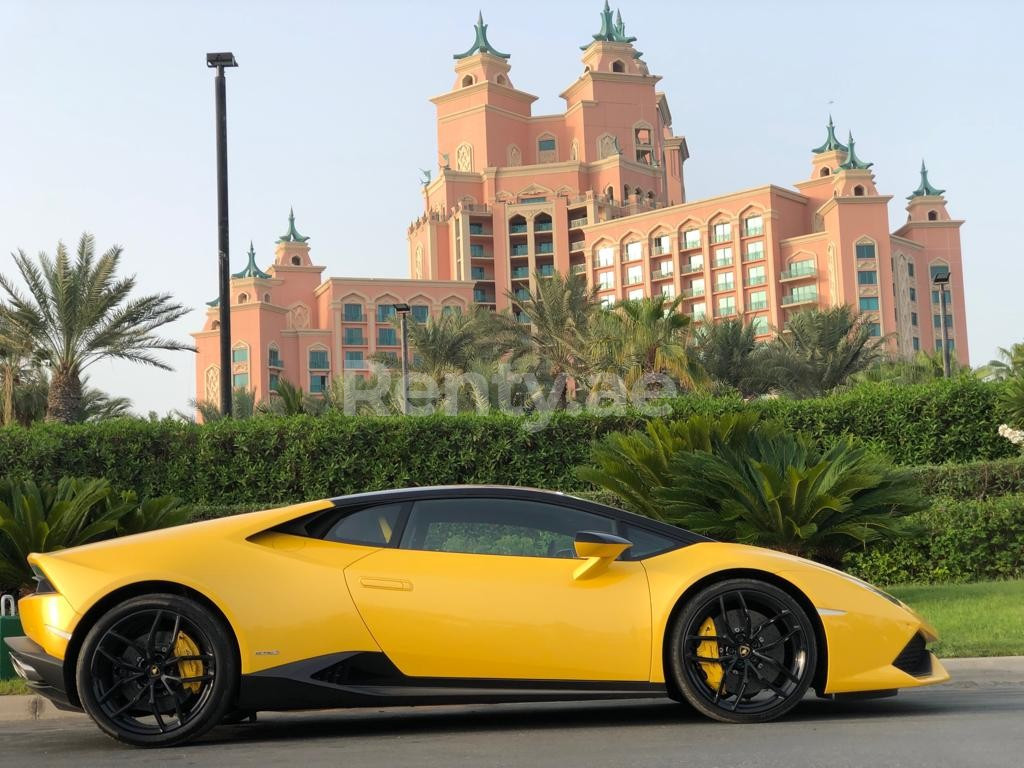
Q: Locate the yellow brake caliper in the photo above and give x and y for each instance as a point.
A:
(185, 646)
(709, 650)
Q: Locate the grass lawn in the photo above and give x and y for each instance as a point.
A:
(10, 687)
(983, 619)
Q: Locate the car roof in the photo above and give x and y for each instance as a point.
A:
(517, 492)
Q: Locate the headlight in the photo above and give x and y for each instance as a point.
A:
(43, 585)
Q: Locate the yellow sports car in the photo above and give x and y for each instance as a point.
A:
(443, 595)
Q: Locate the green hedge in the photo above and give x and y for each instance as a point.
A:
(963, 541)
(973, 479)
(279, 459)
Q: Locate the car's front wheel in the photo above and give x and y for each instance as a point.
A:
(743, 651)
(157, 670)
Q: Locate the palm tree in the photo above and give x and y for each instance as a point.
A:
(818, 351)
(18, 368)
(1010, 362)
(638, 337)
(77, 312)
(727, 351)
(922, 368)
(560, 309)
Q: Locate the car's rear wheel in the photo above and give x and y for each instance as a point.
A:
(743, 651)
(157, 670)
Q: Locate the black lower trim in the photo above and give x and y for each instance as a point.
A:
(364, 679)
(43, 673)
(915, 659)
(861, 695)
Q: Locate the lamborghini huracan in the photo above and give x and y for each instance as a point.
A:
(463, 594)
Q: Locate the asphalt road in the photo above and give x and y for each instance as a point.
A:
(961, 727)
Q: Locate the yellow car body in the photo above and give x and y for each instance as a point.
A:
(514, 627)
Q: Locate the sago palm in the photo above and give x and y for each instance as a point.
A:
(77, 312)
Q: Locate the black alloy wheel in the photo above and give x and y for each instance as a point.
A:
(743, 651)
(157, 670)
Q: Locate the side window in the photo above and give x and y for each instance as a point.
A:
(373, 526)
(498, 527)
(647, 544)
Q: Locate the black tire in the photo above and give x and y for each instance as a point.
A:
(764, 656)
(157, 670)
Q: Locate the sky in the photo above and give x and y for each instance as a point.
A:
(106, 124)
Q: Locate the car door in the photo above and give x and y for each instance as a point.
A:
(483, 587)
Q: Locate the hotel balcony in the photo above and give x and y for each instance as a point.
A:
(521, 294)
(482, 297)
(693, 293)
(577, 223)
(517, 229)
(519, 273)
(658, 250)
(721, 238)
(753, 231)
(689, 269)
(634, 280)
(578, 269)
(753, 255)
(698, 316)
(726, 262)
(794, 299)
(542, 226)
(478, 229)
(577, 246)
(759, 280)
(721, 287)
(756, 305)
(520, 250)
(478, 252)
(546, 270)
(725, 311)
(661, 274)
(545, 247)
(797, 274)
(691, 245)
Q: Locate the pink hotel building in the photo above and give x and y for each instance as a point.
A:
(599, 191)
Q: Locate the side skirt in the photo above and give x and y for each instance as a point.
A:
(365, 679)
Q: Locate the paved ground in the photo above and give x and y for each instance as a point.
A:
(972, 726)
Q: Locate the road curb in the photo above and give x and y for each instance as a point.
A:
(966, 673)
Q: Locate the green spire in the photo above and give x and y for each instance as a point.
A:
(854, 163)
(481, 44)
(925, 189)
(291, 236)
(612, 28)
(214, 303)
(831, 142)
(251, 270)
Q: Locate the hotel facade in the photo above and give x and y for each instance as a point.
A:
(598, 190)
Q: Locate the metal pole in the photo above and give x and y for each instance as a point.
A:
(223, 260)
(405, 362)
(946, 368)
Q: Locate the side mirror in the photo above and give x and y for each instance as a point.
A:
(599, 549)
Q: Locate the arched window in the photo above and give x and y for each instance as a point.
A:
(296, 261)
(643, 143)
(824, 171)
(266, 298)
(243, 298)
(464, 157)
(610, 193)
(618, 66)
(625, 193)
(467, 80)
(650, 197)
(547, 149)
(933, 215)
(858, 191)
(274, 357)
(500, 80)
(215, 325)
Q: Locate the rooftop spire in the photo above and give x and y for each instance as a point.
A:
(251, 270)
(925, 189)
(481, 44)
(612, 28)
(854, 163)
(292, 235)
(831, 142)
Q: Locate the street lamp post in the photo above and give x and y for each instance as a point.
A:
(220, 61)
(941, 281)
(403, 315)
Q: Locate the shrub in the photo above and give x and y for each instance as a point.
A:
(972, 540)
(737, 478)
(973, 479)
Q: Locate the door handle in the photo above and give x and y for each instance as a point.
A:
(374, 582)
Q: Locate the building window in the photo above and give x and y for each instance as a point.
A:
(662, 245)
(916, 343)
(913, 294)
(467, 81)
(725, 282)
(910, 268)
(532, 200)
(867, 277)
(937, 269)
(636, 294)
(868, 303)
(605, 256)
(824, 172)
(618, 66)
(668, 290)
(935, 297)
(387, 337)
(691, 238)
(318, 360)
(755, 251)
(758, 300)
(700, 310)
(722, 233)
(317, 383)
(606, 280)
(754, 225)
(874, 329)
(858, 191)
(421, 312)
(354, 360)
(933, 215)
(950, 345)
(634, 251)
(240, 355)
(243, 298)
(240, 381)
(723, 257)
(353, 313)
(865, 250)
(644, 148)
(696, 263)
(296, 261)
(760, 324)
(275, 358)
(726, 306)
(756, 276)
(385, 312)
(273, 382)
(354, 336)
(634, 275)
(450, 309)
(937, 320)
(913, 318)
(546, 145)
